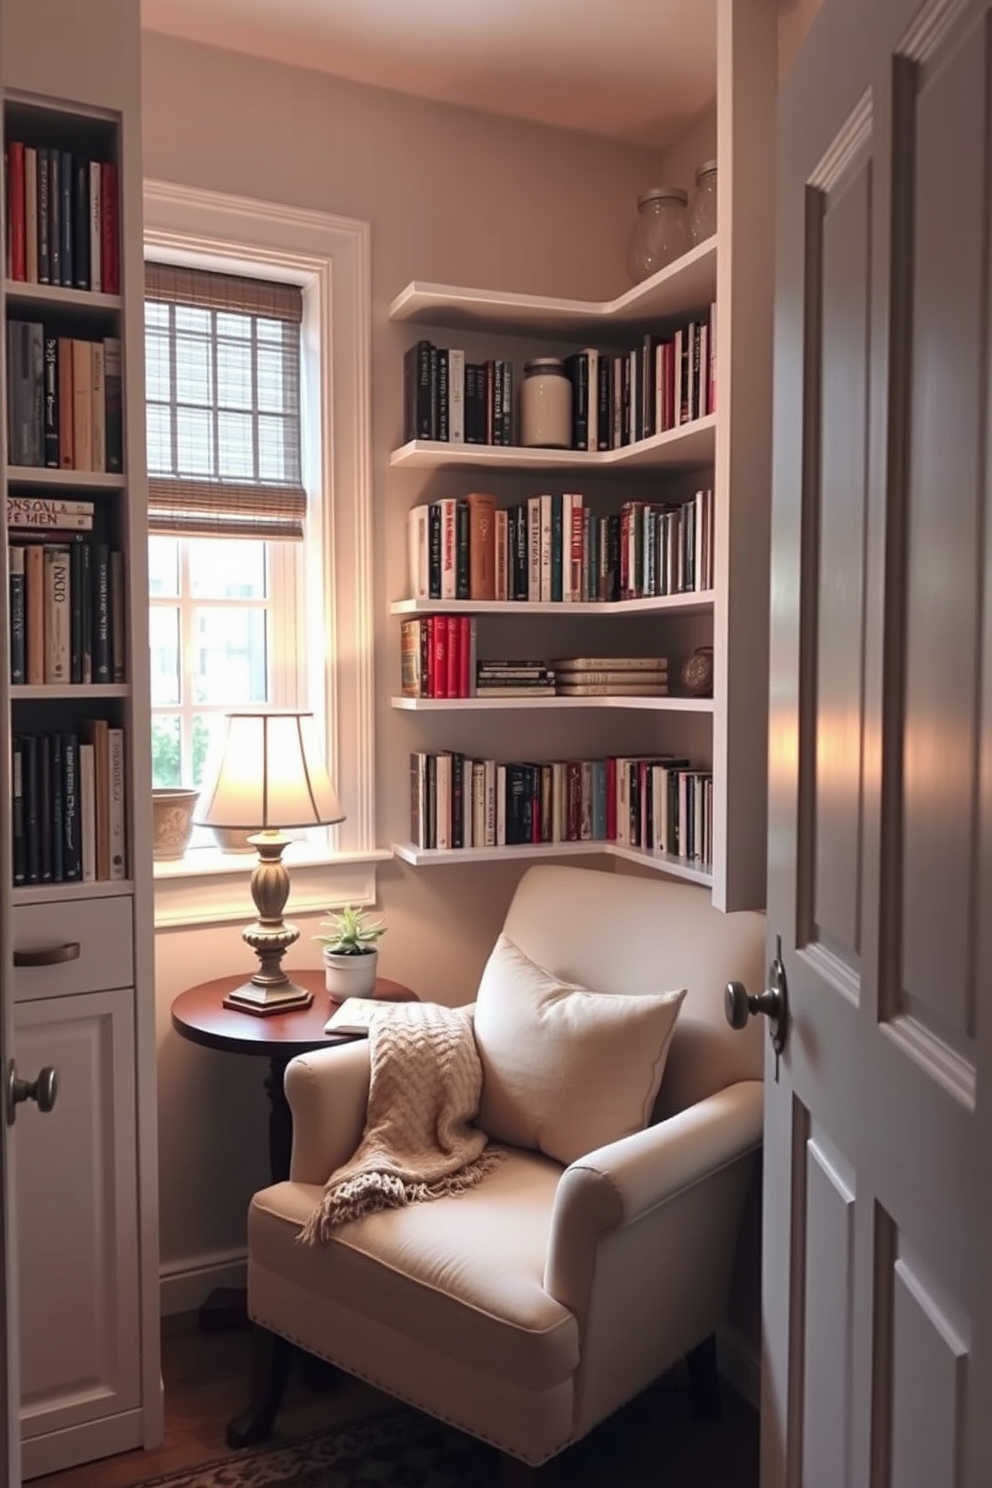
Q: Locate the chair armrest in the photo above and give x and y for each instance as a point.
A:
(625, 1181)
(328, 1093)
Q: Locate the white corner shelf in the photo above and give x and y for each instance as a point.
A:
(48, 297)
(687, 447)
(428, 857)
(678, 604)
(73, 480)
(551, 704)
(688, 284)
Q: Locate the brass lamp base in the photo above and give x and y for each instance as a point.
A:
(270, 989)
(264, 1001)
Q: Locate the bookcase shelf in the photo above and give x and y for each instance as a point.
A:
(686, 285)
(690, 446)
(672, 604)
(424, 857)
(64, 480)
(69, 691)
(78, 302)
(551, 704)
(58, 893)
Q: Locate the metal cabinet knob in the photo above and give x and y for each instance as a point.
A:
(44, 1090)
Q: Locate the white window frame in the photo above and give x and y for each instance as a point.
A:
(329, 257)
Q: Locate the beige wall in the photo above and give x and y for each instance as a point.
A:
(451, 196)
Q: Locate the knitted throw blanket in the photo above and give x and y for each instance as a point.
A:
(417, 1143)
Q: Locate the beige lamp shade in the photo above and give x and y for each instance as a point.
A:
(270, 775)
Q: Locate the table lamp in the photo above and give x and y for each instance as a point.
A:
(270, 775)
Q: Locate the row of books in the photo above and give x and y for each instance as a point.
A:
(552, 548)
(438, 660)
(657, 803)
(457, 402)
(62, 218)
(618, 398)
(66, 607)
(64, 407)
(69, 819)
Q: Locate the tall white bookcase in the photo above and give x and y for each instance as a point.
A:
(77, 959)
(728, 451)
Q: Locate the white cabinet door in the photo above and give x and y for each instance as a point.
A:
(75, 1174)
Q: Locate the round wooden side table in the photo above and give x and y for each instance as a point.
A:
(199, 1014)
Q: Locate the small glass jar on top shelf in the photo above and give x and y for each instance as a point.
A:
(660, 233)
(702, 213)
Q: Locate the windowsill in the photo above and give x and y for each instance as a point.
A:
(209, 887)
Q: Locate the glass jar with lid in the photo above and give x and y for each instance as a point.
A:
(702, 214)
(546, 404)
(660, 233)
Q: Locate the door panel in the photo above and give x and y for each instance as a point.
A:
(878, 1224)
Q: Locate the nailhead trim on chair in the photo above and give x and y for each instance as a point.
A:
(370, 1379)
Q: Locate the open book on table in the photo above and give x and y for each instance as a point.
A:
(352, 1015)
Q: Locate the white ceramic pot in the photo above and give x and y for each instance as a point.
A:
(172, 821)
(350, 976)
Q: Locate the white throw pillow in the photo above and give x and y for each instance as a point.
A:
(566, 1069)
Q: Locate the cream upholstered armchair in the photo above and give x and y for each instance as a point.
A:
(529, 1308)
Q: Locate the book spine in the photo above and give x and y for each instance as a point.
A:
(44, 808)
(31, 212)
(118, 618)
(44, 218)
(18, 649)
(15, 210)
(82, 405)
(18, 845)
(87, 812)
(55, 214)
(109, 232)
(36, 344)
(462, 557)
(58, 809)
(66, 189)
(101, 613)
(95, 227)
(456, 396)
(98, 409)
(52, 402)
(81, 224)
(57, 621)
(449, 576)
(116, 814)
(442, 394)
(66, 454)
(113, 405)
(34, 589)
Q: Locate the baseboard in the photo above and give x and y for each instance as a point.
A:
(184, 1285)
(739, 1364)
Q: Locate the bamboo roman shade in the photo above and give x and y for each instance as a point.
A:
(223, 404)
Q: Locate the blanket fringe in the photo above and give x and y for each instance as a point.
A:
(370, 1192)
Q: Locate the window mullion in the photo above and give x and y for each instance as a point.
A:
(215, 396)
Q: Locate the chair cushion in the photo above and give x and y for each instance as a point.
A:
(566, 1069)
(465, 1273)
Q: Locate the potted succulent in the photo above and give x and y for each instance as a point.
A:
(350, 952)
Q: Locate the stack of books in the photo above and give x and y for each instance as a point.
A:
(611, 676)
(514, 679)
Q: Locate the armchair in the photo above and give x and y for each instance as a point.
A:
(529, 1308)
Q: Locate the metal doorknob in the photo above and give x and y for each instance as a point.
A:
(44, 1090)
(773, 1002)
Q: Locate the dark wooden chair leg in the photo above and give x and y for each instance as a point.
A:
(704, 1380)
(516, 1474)
(270, 1360)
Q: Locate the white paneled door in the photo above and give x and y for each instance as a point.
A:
(878, 1157)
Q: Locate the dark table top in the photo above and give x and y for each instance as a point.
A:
(199, 1014)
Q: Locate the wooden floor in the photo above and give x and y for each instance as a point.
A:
(206, 1382)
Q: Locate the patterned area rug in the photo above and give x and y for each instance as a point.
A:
(401, 1449)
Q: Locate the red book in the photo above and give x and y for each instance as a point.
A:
(454, 656)
(110, 272)
(15, 210)
(464, 656)
(439, 688)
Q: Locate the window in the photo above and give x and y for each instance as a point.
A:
(226, 506)
(319, 624)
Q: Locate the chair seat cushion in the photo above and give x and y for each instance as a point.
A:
(465, 1273)
(565, 1069)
